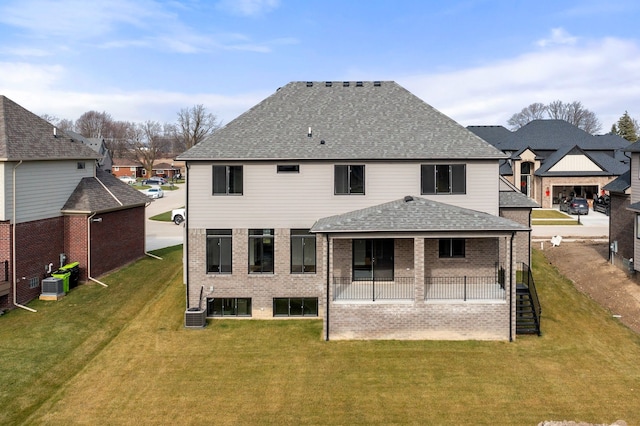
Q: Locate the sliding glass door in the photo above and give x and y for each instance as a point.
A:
(372, 259)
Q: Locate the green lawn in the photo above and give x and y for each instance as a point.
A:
(121, 353)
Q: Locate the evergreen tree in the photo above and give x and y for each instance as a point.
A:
(627, 127)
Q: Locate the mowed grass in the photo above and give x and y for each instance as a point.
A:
(551, 217)
(122, 356)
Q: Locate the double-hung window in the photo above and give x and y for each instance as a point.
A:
(443, 179)
(303, 252)
(261, 251)
(349, 179)
(451, 247)
(227, 180)
(219, 251)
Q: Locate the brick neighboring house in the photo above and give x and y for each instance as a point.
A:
(358, 203)
(551, 159)
(127, 167)
(44, 171)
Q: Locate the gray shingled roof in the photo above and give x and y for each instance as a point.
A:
(90, 195)
(512, 199)
(25, 136)
(414, 214)
(374, 120)
(620, 184)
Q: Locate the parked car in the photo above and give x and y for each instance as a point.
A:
(602, 204)
(155, 180)
(128, 179)
(575, 205)
(178, 215)
(154, 192)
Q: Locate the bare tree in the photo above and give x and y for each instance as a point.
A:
(93, 124)
(574, 113)
(195, 124)
(534, 111)
(148, 144)
(62, 124)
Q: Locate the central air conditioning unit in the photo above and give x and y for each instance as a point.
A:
(196, 317)
(53, 286)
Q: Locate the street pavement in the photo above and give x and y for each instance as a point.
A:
(594, 226)
(164, 234)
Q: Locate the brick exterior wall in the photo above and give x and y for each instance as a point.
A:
(261, 288)
(549, 182)
(116, 241)
(75, 242)
(38, 243)
(417, 319)
(6, 301)
(621, 227)
(522, 242)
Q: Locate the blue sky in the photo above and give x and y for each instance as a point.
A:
(478, 61)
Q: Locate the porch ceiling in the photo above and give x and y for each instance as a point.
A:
(414, 214)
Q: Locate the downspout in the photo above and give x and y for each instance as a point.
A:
(511, 288)
(328, 287)
(185, 247)
(13, 248)
(89, 277)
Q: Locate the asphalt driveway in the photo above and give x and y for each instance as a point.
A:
(164, 234)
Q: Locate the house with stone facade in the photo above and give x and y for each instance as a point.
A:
(357, 203)
(550, 160)
(56, 207)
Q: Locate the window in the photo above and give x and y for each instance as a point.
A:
(638, 226)
(303, 252)
(443, 179)
(116, 168)
(80, 165)
(451, 247)
(295, 307)
(229, 307)
(525, 178)
(349, 179)
(133, 169)
(219, 251)
(261, 251)
(227, 180)
(288, 168)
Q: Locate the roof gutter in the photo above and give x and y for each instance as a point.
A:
(13, 249)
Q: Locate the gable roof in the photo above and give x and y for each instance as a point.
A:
(25, 136)
(345, 121)
(512, 197)
(415, 214)
(103, 193)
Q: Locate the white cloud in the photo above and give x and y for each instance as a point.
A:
(248, 7)
(558, 37)
(601, 74)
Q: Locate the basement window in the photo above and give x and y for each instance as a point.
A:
(34, 282)
(288, 168)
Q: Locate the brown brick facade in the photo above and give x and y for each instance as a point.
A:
(406, 319)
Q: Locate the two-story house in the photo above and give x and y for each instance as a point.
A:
(551, 160)
(56, 208)
(358, 203)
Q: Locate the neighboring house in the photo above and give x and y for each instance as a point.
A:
(621, 220)
(105, 162)
(165, 170)
(634, 207)
(127, 167)
(358, 203)
(55, 207)
(550, 160)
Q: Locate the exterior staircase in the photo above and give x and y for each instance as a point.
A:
(527, 304)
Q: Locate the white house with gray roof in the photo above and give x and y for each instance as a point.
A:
(358, 203)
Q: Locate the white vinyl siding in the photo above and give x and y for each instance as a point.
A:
(42, 187)
(298, 200)
(575, 163)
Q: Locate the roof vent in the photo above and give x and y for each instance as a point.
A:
(408, 198)
(309, 133)
(377, 84)
(309, 83)
(55, 132)
(328, 83)
(345, 84)
(358, 84)
(322, 142)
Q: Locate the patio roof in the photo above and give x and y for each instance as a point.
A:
(414, 214)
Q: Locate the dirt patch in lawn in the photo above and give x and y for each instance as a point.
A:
(586, 264)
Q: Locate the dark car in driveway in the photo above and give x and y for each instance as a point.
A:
(602, 205)
(575, 205)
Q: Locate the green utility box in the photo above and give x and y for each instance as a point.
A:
(69, 274)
